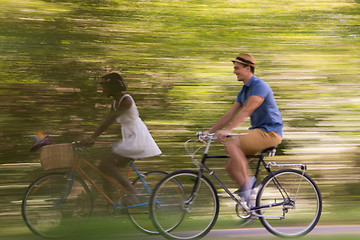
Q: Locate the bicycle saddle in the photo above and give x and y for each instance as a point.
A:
(271, 151)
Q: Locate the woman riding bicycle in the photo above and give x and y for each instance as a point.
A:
(136, 141)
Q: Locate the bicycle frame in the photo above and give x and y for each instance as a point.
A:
(77, 169)
(202, 166)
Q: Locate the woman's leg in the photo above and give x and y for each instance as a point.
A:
(110, 165)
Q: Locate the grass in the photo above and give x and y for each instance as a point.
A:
(111, 227)
(119, 227)
(331, 237)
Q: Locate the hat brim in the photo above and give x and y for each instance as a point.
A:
(245, 63)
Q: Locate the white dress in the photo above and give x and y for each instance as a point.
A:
(136, 140)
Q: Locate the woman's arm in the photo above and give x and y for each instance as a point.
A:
(111, 118)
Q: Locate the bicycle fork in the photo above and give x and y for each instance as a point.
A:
(186, 206)
(67, 190)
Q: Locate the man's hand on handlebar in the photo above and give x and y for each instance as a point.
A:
(205, 136)
(222, 134)
(219, 136)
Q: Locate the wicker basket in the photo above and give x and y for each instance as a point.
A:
(57, 156)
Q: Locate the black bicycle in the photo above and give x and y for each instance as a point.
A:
(288, 202)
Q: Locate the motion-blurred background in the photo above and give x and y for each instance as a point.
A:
(175, 59)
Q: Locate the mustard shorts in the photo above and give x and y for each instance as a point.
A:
(256, 140)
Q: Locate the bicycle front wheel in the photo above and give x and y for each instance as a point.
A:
(183, 206)
(293, 203)
(54, 205)
(139, 213)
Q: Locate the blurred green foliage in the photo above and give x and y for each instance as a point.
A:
(175, 58)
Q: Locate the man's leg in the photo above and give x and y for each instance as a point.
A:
(254, 141)
(237, 167)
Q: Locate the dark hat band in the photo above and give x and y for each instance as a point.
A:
(245, 61)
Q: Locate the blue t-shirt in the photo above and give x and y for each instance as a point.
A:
(267, 116)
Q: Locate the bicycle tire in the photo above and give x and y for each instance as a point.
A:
(140, 216)
(172, 212)
(301, 214)
(54, 205)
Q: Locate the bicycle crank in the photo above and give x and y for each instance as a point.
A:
(241, 212)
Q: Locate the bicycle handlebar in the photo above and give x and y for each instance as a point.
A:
(203, 137)
(211, 136)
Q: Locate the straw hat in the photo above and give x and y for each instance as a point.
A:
(245, 58)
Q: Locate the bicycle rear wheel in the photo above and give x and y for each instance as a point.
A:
(140, 214)
(297, 203)
(54, 205)
(182, 207)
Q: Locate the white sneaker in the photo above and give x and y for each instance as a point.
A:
(245, 192)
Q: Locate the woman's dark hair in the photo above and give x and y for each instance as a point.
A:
(113, 81)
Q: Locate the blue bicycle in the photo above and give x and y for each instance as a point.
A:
(55, 204)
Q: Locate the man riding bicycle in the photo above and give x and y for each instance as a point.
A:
(255, 100)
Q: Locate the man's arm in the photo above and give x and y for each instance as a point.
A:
(240, 116)
(226, 118)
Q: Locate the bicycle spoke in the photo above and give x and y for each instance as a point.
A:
(177, 213)
(54, 205)
(139, 214)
